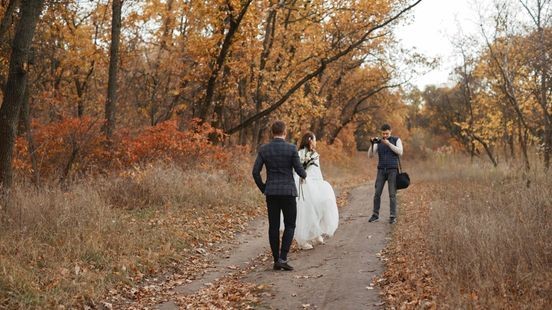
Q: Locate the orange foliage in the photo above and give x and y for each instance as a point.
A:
(165, 142)
(56, 142)
(81, 141)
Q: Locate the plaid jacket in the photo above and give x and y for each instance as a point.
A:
(280, 159)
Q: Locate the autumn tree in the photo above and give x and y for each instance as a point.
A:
(7, 14)
(363, 91)
(503, 85)
(339, 43)
(111, 100)
(538, 65)
(234, 64)
(16, 84)
(9, 8)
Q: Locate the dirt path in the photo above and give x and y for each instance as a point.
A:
(335, 275)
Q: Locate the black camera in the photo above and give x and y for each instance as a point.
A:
(375, 140)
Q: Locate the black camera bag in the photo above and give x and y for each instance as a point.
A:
(403, 179)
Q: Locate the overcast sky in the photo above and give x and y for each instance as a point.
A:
(435, 23)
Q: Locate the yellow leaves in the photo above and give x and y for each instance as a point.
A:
(168, 48)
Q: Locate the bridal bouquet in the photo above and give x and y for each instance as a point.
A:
(309, 159)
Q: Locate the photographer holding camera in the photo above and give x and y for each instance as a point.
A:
(388, 148)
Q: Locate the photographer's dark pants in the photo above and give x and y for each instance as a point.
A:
(288, 206)
(389, 175)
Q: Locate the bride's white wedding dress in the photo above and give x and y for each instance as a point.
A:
(317, 213)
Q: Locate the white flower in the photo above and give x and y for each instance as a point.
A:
(309, 158)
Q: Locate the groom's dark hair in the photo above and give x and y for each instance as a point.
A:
(278, 128)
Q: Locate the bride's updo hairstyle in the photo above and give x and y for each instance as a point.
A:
(306, 141)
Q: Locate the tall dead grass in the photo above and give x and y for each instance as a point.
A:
(489, 233)
(67, 247)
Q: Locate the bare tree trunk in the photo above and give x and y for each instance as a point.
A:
(544, 90)
(157, 76)
(547, 143)
(512, 147)
(260, 135)
(15, 86)
(270, 29)
(242, 99)
(81, 87)
(111, 103)
(487, 150)
(26, 122)
(333, 135)
(472, 150)
(320, 129)
(206, 108)
(72, 157)
(7, 18)
(80, 100)
(242, 136)
(523, 144)
(538, 12)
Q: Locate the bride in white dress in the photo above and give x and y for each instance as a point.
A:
(317, 214)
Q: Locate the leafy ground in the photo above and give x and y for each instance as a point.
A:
(471, 236)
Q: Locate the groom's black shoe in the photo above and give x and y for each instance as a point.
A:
(282, 266)
(374, 218)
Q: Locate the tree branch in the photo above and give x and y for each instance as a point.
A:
(323, 64)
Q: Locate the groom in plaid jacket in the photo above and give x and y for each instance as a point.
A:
(280, 159)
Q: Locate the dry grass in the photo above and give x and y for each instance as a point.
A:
(482, 234)
(68, 247)
(101, 236)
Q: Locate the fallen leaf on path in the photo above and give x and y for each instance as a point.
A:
(309, 277)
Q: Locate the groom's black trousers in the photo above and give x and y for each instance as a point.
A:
(288, 206)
